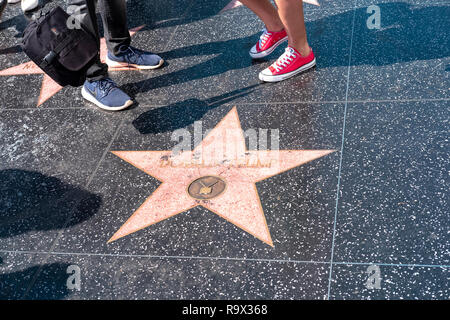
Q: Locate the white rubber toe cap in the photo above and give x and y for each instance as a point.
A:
(253, 50)
(266, 72)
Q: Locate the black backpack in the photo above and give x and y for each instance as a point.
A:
(63, 53)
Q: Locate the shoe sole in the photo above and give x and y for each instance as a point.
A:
(267, 52)
(288, 75)
(89, 97)
(31, 7)
(115, 64)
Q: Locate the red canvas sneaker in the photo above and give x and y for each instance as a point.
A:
(288, 65)
(268, 42)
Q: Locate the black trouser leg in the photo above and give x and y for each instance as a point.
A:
(84, 11)
(114, 17)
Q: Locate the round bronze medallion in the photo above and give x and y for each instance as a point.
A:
(207, 187)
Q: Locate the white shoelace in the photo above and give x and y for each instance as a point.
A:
(285, 59)
(264, 37)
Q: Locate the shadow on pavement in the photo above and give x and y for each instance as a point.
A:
(31, 201)
(152, 14)
(51, 283)
(183, 113)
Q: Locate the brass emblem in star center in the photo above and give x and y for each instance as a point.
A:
(207, 187)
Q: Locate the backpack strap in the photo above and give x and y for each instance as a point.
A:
(48, 59)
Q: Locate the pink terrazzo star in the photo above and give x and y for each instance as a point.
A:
(215, 156)
(49, 87)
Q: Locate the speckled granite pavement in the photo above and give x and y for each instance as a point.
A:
(367, 221)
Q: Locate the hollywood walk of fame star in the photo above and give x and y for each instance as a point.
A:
(49, 87)
(235, 3)
(214, 182)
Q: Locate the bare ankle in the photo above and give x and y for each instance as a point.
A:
(274, 27)
(304, 49)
